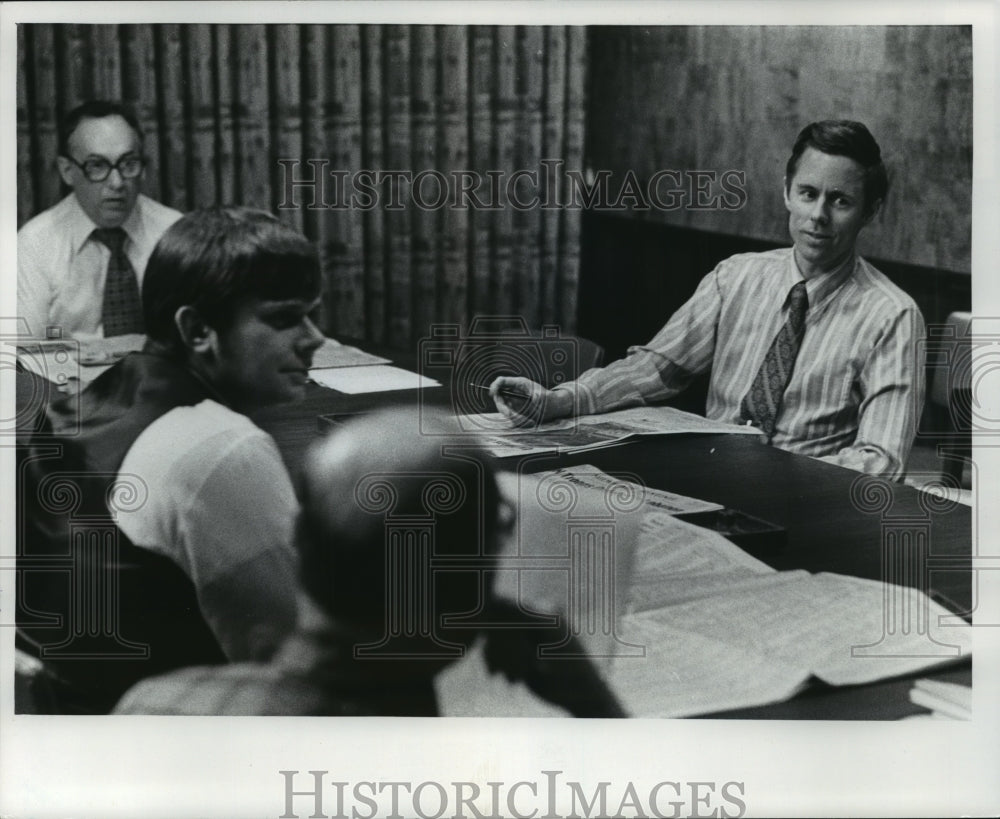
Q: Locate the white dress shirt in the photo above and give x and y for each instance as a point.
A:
(61, 269)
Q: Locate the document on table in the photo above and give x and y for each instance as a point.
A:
(334, 354)
(677, 561)
(370, 378)
(586, 432)
(588, 476)
(569, 548)
(708, 628)
(779, 630)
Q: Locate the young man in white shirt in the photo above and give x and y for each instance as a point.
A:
(197, 508)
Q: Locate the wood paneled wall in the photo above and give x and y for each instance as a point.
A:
(718, 98)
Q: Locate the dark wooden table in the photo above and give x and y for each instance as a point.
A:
(834, 520)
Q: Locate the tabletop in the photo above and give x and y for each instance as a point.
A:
(832, 519)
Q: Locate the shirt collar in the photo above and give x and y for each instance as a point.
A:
(81, 225)
(819, 288)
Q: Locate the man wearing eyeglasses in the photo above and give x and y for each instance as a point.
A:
(80, 263)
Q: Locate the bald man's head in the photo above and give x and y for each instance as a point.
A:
(384, 508)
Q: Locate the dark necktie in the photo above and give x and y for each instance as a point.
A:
(762, 403)
(122, 311)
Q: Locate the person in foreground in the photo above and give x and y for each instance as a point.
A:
(810, 344)
(395, 537)
(80, 264)
(182, 516)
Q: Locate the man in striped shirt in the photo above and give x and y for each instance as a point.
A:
(856, 386)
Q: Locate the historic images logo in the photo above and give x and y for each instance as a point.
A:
(312, 184)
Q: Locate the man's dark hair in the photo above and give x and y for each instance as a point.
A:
(94, 109)
(844, 137)
(214, 259)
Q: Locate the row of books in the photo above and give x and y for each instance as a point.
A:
(222, 105)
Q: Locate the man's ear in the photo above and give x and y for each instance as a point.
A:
(784, 191)
(196, 334)
(65, 170)
(876, 207)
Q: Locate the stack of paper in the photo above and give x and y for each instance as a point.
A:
(945, 700)
(334, 354)
(374, 378)
(351, 370)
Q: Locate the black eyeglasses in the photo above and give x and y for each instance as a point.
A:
(98, 169)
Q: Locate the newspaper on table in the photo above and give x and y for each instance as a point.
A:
(707, 628)
(503, 439)
(588, 476)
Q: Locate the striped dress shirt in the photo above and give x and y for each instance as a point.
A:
(857, 388)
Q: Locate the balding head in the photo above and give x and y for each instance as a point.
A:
(384, 506)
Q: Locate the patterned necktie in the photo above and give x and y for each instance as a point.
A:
(122, 311)
(762, 403)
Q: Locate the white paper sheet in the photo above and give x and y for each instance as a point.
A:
(370, 378)
(335, 354)
(591, 477)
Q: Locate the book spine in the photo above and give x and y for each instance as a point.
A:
(528, 147)
(454, 156)
(73, 64)
(286, 93)
(553, 135)
(314, 103)
(200, 79)
(504, 156)
(252, 116)
(105, 50)
(25, 156)
(423, 156)
(172, 145)
(397, 220)
(140, 92)
(481, 84)
(44, 97)
(373, 159)
(569, 247)
(225, 138)
(343, 250)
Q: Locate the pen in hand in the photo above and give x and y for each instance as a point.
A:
(506, 393)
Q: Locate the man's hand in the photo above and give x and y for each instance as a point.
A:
(527, 403)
